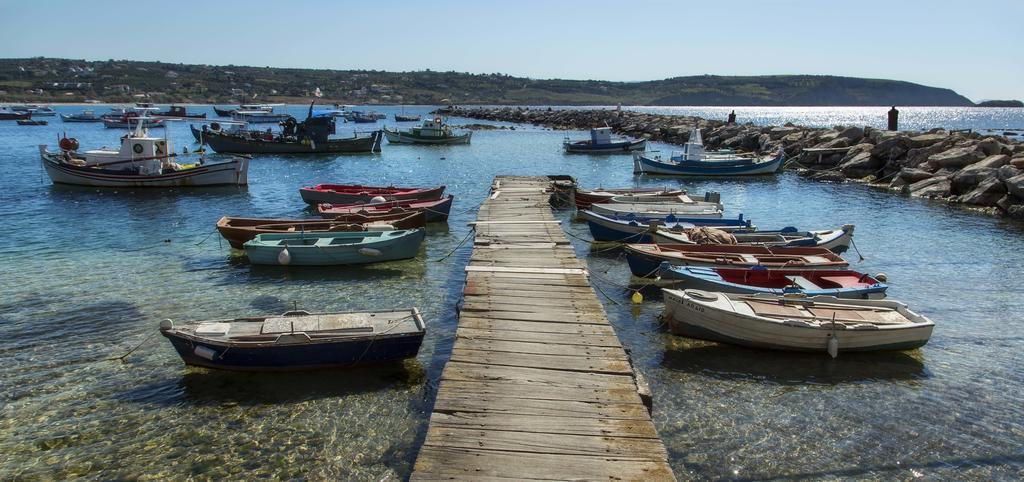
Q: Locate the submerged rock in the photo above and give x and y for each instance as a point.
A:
(988, 192)
(935, 187)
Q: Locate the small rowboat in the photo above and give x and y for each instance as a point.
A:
(584, 198)
(835, 240)
(436, 210)
(359, 194)
(645, 259)
(841, 283)
(299, 340)
(239, 230)
(634, 229)
(331, 249)
(660, 211)
(819, 323)
(31, 122)
(694, 161)
(406, 118)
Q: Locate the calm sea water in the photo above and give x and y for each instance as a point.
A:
(87, 275)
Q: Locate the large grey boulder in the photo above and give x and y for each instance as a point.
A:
(987, 193)
(1007, 172)
(860, 165)
(1015, 186)
(956, 157)
(836, 143)
(1017, 161)
(925, 140)
(853, 134)
(995, 161)
(990, 146)
(935, 187)
(890, 145)
(965, 179)
(912, 175)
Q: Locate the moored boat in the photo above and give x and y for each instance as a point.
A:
(841, 283)
(298, 340)
(634, 229)
(130, 120)
(407, 118)
(836, 240)
(310, 136)
(239, 230)
(333, 248)
(178, 112)
(32, 122)
(84, 116)
(433, 131)
(819, 323)
(259, 114)
(583, 198)
(694, 161)
(360, 194)
(436, 210)
(660, 211)
(602, 142)
(6, 113)
(645, 259)
(141, 161)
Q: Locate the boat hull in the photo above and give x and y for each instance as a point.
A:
(583, 199)
(332, 354)
(230, 173)
(646, 165)
(624, 147)
(404, 138)
(692, 319)
(646, 264)
(708, 279)
(238, 231)
(238, 145)
(660, 211)
(638, 230)
(317, 196)
(403, 245)
(435, 211)
(836, 240)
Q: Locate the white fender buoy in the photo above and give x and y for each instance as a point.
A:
(378, 200)
(881, 277)
(369, 252)
(833, 345)
(284, 258)
(166, 324)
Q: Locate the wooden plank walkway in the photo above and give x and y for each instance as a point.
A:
(538, 385)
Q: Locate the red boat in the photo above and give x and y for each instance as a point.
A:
(585, 197)
(435, 209)
(359, 194)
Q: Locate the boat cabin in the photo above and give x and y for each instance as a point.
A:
(601, 136)
(693, 150)
(138, 149)
(432, 128)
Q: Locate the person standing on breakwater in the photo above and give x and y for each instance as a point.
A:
(894, 119)
(732, 117)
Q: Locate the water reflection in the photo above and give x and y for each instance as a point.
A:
(726, 362)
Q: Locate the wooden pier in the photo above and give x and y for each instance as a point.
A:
(538, 385)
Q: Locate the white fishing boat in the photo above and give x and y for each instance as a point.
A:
(432, 131)
(259, 114)
(140, 161)
(797, 323)
(694, 160)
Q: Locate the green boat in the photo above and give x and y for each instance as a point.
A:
(328, 249)
(430, 132)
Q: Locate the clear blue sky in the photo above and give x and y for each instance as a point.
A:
(972, 47)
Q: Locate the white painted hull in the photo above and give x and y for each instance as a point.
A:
(717, 321)
(660, 211)
(230, 173)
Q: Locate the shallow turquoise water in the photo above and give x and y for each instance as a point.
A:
(88, 274)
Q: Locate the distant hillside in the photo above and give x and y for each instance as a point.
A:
(1000, 103)
(53, 80)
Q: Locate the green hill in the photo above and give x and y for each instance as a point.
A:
(53, 80)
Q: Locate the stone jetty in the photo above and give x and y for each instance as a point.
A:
(958, 167)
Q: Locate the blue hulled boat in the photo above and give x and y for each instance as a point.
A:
(602, 142)
(694, 161)
(299, 340)
(841, 283)
(635, 229)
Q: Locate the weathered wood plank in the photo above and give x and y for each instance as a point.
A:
(540, 392)
(436, 463)
(546, 443)
(455, 370)
(612, 353)
(468, 321)
(541, 337)
(450, 402)
(551, 362)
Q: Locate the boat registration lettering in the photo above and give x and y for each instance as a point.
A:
(694, 307)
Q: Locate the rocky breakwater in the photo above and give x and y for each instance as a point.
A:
(964, 168)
